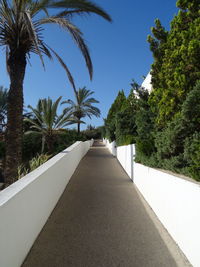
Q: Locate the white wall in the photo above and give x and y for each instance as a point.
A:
(125, 156)
(26, 205)
(111, 146)
(176, 202)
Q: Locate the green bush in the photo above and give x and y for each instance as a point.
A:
(191, 110)
(175, 147)
(170, 141)
(94, 133)
(192, 155)
(32, 142)
(33, 164)
(125, 126)
(65, 138)
(32, 145)
(145, 129)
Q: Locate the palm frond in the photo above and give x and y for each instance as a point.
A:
(69, 75)
(69, 101)
(83, 5)
(76, 35)
(83, 106)
(33, 35)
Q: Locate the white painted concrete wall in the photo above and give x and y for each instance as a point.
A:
(176, 202)
(26, 205)
(111, 146)
(125, 155)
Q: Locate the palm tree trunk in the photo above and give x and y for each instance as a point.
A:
(16, 67)
(50, 144)
(78, 127)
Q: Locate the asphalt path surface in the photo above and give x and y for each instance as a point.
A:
(99, 221)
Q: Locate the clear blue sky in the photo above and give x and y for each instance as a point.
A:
(119, 52)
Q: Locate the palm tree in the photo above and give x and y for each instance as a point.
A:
(21, 26)
(3, 107)
(82, 107)
(46, 122)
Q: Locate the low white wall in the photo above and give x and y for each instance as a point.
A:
(26, 205)
(125, 156)
(111, 146)
(176, 202)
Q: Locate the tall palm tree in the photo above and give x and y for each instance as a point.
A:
(21, 25)
(3, 107)
(46, 122)
(82, 107)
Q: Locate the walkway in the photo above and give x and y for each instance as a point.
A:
(99, 222)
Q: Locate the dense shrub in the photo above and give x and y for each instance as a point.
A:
(170, 141)
(66, 138)
(32, 142)
(145, 125)
(176, 147)
(94, 133)
(125, 126)
(32, 145)
(192, 155)
(32, 164)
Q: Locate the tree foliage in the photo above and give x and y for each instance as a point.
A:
(46, 122)
(175, 147)
(166, 123)
(111, 120)
(176, 66)
(120, 123)
(22, 24)
(83, 106)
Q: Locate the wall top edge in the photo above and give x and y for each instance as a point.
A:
(173, 175)
(15, 188)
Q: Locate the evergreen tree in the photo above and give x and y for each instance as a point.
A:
(125, 118)
(110, 121)
(176, 66)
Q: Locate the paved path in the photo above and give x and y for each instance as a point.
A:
(99, 222)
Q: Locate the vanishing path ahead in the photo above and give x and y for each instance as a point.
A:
(99, 222)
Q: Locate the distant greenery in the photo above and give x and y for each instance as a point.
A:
(93, 132)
